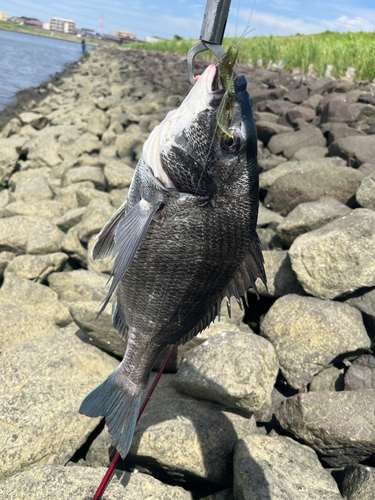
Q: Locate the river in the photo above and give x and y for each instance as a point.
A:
(29, 60)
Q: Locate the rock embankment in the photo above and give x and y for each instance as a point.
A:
(276, 402)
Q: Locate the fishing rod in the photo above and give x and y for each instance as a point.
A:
(211, 37)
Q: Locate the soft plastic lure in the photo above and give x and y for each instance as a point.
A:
(226, 67)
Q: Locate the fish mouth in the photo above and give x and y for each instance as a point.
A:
(215, 97)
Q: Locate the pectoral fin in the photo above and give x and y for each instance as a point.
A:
(128, 235)
(105, 240)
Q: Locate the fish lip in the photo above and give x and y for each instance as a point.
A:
(215, 96)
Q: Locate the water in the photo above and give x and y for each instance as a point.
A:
(28, 60)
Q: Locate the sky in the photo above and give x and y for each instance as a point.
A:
(166, 18)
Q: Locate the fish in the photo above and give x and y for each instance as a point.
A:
(184, 240)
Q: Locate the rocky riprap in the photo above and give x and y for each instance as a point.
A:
(275, 403)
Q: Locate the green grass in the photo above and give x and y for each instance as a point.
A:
(340, 49)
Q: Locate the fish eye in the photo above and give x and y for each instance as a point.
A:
(231, 144)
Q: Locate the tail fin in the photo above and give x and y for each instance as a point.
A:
(120, 407)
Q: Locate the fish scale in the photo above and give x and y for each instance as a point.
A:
(179, 248)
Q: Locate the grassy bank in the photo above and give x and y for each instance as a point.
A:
(340, 49)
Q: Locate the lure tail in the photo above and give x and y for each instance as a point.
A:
(119, 403)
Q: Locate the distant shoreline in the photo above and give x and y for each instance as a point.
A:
(47, 35)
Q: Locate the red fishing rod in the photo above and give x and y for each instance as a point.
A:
(111, 468)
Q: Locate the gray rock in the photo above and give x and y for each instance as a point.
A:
(267, 218)
(44, 238)
(334, 131)
(44, 209)
(270, 162)
(265, 117)
(297, 113)
(128, 144)
(337, 258)
(181, 438)
(337, 111)
(96, 216)
(237, 370)
(366, 120)
(68, 195)
(365, 303)
(269, 240)
(118, 196)
(73, 247)
(221, 495)
(278, 468)
(85, 195)
(10, 150)
(342, 84)
(97, 123)
(33, 189)
(34, 297)
(329, 379)
(266, 179)
(17, 324)
(36, 120)
(79, 285)
(309, 333)
(340, 426)
(361, 374)
(281, 279)
(80, 483)
(367, 168)
(308, 216)
(118, 174)
(42, 150)
(99, 452)
(290, 190)
(37, 267)
(310, 153)
(5, 198)
(40, 398)
(355, 150)
(365, 194)
(15, 241)
(99, 330)
(72, 146)
(290, 143)
(70, 218)
(82, 174)
(267, 129)
(358, 483)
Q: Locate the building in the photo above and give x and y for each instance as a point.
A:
(125, 34)
(33, 22)
(62, 25)
(3, 16)
(46, 26)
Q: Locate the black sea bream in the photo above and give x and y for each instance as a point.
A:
(183, 240)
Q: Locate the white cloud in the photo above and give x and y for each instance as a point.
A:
(353, 24)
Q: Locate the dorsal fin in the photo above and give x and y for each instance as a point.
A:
(250, 269)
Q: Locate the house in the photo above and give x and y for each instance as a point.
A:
(3, 16)
(28, 21)
(126, 35)
(62, 25)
